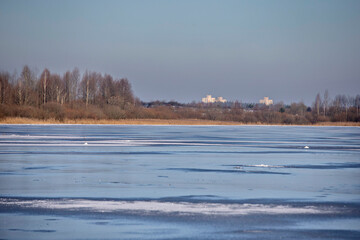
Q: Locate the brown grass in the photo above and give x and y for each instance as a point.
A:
(18, 120)
(346, 124)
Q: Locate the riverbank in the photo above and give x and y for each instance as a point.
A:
(18, 120)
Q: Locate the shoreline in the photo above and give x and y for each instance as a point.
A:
(185, 122)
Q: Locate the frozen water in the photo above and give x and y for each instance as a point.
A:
(192, 182)
(161, 207)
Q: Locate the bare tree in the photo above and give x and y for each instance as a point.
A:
(106, 86)
(341, 103)
(326, 101)
(67, 86)
(124, 88)
(317, 103)
(357, 104)
(27, 80)
(55, 89)
(88, 86)
(74, 81)
(337, 104)
(344, 105)
(18, 91)
(84, 87)
(5, 87)
(297, 109)
(21, 86)
(43, 85)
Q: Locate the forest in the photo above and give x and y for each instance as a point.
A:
(99, 96)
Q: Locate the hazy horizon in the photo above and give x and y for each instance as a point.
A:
(184, 50)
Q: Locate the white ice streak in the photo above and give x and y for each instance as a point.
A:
(65, 140)
(164, 207)
(141, 141)
(16, 136)
(265, 166)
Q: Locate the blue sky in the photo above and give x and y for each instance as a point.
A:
(183, 50)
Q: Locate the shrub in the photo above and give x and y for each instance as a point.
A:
(114, 112)
(54, 110)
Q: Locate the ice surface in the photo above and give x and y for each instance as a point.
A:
(179, 182)
(164, 207)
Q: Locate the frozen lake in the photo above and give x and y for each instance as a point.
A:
(179, 182)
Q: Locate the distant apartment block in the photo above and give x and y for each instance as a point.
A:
(266, 101)
(210, 99)
(221, 99)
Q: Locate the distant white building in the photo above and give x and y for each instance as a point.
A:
(221, 99)
(266, 101)
(210, 99)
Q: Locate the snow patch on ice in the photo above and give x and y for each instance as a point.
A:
(164, 207)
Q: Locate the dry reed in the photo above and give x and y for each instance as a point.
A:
(18, 120)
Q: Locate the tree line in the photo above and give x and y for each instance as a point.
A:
(91, 88)
(51, 95)
(341, 108)
(100, 96)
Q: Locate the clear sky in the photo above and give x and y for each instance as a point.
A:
(183, 50)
